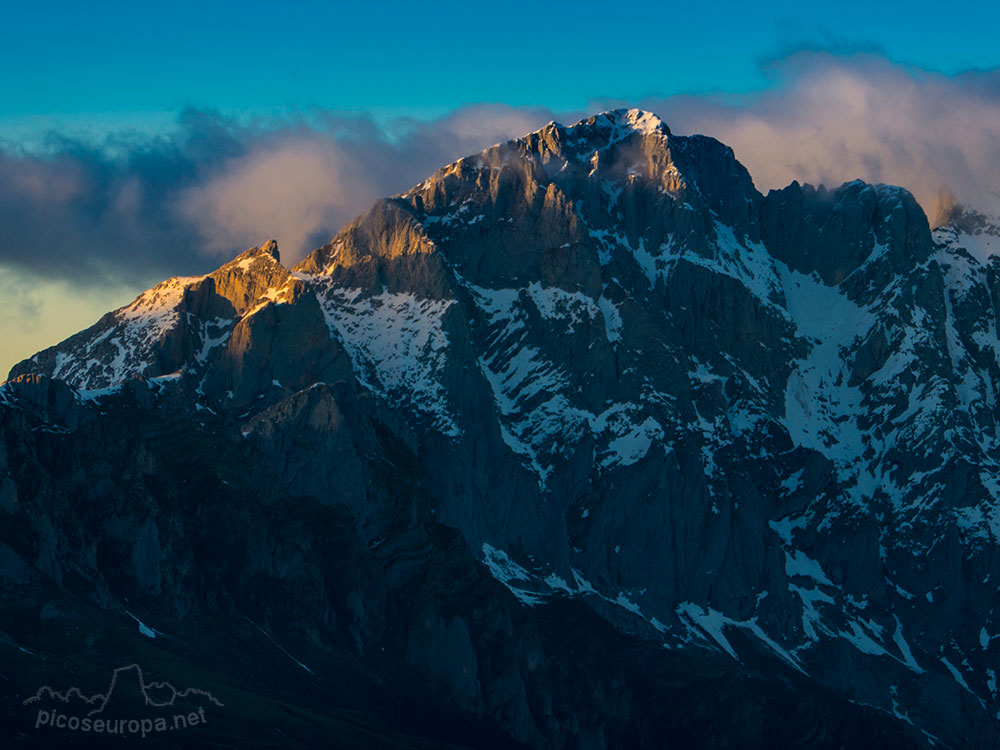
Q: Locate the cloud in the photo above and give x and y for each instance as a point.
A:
(291, 188)
(832, 118)
(301, 184)
(89, 214)
(132, 209)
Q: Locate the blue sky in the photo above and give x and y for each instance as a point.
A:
(112, 63)
(140, 140)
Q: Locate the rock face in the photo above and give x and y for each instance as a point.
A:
(580, 443)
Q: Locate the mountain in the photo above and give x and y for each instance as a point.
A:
(581, 442)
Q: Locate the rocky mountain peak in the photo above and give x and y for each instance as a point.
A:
(618, 124)
(759, 431)
(249, 276)
(971, 222)
(271, 248)
(257, 258)
(548, 205)
(974, 232)
(834, 232)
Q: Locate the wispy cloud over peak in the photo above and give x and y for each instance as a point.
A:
(831, 118)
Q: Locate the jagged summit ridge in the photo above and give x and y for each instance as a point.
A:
(636, 120)
(583, 144)
(608, 128)
(599, 131)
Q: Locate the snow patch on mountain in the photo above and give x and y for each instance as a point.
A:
(613, 323)
(981, 245)
(509, 573)
(397, 343)
(536, 400)
(126, 348)
(730, 255)
(568, 308)
(821, 409)
(620, 124)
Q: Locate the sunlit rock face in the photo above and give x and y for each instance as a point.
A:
(582, 433)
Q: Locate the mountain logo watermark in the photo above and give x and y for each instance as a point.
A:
(131, 706)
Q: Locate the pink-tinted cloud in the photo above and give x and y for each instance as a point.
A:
(301, 184)
(829, 119)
